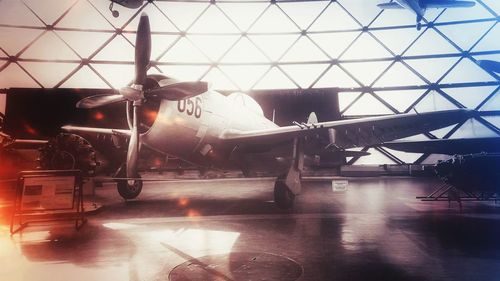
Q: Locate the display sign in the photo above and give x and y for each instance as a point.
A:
(47, 193)
(340, 185)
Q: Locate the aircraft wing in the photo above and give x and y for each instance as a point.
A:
(448, 146)
(354, 132)
(104, 131)
(449, 4)
(390, 6)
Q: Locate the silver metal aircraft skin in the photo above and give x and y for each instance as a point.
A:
(418, 7)
(207, 128)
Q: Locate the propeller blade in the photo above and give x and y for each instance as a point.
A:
(490, 65)
(99, 100)
(133, 148)
(178, 90)
(142, 50)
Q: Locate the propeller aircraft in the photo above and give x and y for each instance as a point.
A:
(208, 129)
(419, 7)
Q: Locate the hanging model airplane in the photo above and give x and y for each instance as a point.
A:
(419, 7)
(209, 129)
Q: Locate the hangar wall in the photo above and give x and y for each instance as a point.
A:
(374, 59)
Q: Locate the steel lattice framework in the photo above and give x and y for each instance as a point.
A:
(376, 60)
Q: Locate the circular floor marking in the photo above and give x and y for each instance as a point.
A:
(237, 266)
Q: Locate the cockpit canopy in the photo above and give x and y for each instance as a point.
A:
(245, 100)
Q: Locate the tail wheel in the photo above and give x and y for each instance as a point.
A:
(283, 196)
(125, 188)
(68, 151)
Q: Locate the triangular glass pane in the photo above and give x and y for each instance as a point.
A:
(49, 10)
(359, 9)
(15, 13)
(399, 75)
(434, 102)
(490, 42)
(400, 99)
(274, 46)
(84, 16)
(473, 129)
(184, 72)
(118, 22)
(465, 35)
(118, 75)
(14, 77)
(304, 50)
(275, 79)
(118, 49)
(184, 51)
(367, 105)
(273, 21)
(395, 17)
(85, 78)
(44, 48)
(159, 43)
(244, 51)
(84, 43)
(334, 43)
(213, 21)
(420, 137)
(157, 21)
(346, 98)
(430, 43)
(303, 13)
(49, 74)
(398, 40)
(12, 43)
(494, 5)
(366, 72)
(494, 120)
(462, 14)
(492, 104)
(244, 76)
(219, 80)
(243, 14)
(375, 158)
(467, 71)
(470, 97)
(366, 47)
(441, 133)
(406, 157)
(336, 77)
(182, 14)
(432, 69)
(214, 46)
(334, 18)
(304, 74)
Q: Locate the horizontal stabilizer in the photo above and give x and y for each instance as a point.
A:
(449, 4)
(390, 6)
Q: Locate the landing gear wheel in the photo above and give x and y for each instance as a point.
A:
(283, 196)
(419, 26)
(126, 190)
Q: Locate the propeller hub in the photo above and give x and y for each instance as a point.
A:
(133, 93)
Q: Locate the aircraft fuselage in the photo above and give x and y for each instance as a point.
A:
(190, 128)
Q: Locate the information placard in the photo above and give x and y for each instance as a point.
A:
(340, 185)
(48, 193)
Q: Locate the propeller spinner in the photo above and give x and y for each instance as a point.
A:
(135, 94)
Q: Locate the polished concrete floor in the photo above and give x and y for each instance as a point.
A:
(230, 230)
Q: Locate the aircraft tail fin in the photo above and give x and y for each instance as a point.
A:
(312, 119)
